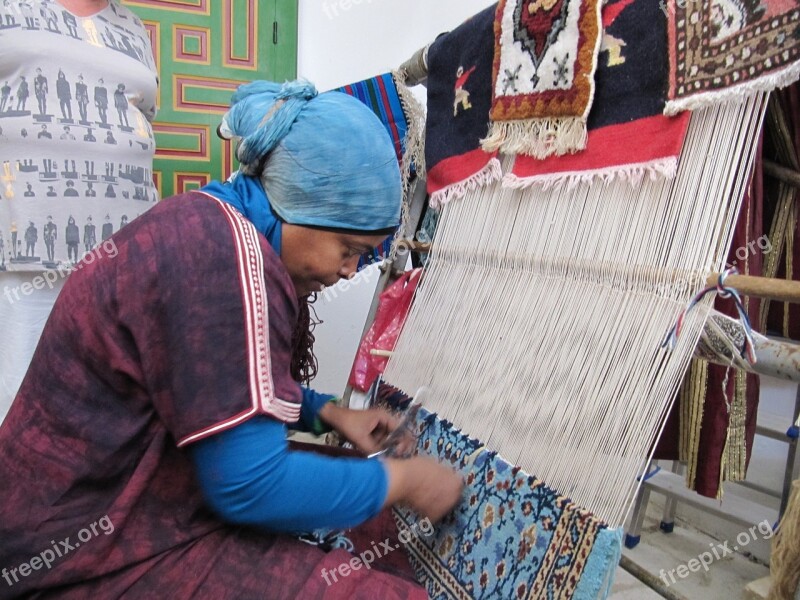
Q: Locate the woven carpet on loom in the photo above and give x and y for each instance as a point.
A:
(543, 77)
(628, 135)
(459, 98)
(511, 536)
(724, 50)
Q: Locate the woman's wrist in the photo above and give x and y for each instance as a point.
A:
(397, 481)
(322, 425)
(331, 413)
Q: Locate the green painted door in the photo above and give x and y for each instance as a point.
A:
(204, 49)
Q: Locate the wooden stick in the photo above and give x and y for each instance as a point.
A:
(379, 352)
(782, 290)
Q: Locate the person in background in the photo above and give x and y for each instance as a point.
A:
(73, 237)
(50, 134)
(50, 236)
(158, 401)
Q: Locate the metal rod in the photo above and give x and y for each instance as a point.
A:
(791, 457)
(759, 488)
(777, 359)
(722, 336)
(415, 68)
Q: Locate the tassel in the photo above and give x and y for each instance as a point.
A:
(539, 138)
(784, 564)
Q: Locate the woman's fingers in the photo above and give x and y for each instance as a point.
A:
(370, 430)
(429, 487)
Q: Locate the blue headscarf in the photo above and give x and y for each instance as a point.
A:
(321, 160)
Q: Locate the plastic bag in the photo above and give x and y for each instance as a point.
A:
(393, 307)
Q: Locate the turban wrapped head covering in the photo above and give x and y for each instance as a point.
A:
(324, 160)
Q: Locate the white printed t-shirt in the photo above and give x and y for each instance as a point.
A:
(77, 95)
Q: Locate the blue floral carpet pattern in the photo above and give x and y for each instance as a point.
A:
(511, 536)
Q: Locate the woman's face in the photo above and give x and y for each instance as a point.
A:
(316, 258)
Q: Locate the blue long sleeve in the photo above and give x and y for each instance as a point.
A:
(249, 476)
(309, 410)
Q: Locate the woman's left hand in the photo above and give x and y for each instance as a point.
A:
(367, 429)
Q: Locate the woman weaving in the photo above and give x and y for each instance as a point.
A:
(158, 399)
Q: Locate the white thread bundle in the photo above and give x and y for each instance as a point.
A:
(539, 322)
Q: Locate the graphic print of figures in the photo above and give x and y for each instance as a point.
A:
(101, 100)
(89, 236)
(72, 237)
(14, 252)
(67, 135)
(82, 98)
(31, 237)
(27, 11)
(64, 95)
(71, 22)
(22, 93)
(40, 91)
(50, 18)
(108, 228)
(5, 92)
(128, 48)
(123, 221)
(121, 104)
(50, 233)
(10, 20)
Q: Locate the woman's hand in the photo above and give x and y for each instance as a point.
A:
(367, 429)
(426, 485)
(429, 487)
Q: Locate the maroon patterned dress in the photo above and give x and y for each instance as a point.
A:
(178, 328)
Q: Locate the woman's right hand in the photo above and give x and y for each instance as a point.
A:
(427, 486)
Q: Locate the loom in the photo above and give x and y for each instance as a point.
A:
(588, 367)
(540, 324)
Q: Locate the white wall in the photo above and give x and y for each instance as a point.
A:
(341, 42)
